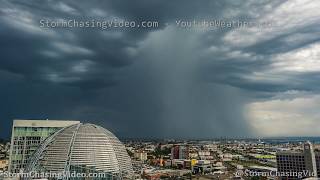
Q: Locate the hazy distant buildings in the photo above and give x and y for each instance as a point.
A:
(27, 136)
(180, 152)
(4, 157)
(299, 165)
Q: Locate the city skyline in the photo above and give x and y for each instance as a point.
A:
(71, 148)
(177, 79)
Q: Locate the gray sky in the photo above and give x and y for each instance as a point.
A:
(167, 81)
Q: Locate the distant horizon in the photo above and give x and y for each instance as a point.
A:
(202, 139)
(169, 138)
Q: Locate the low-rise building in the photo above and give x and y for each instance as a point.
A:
(4, 164)
(202, 167)
(141, 156)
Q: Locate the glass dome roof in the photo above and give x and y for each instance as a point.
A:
(82, 148)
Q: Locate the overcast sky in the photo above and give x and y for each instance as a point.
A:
(167, 81)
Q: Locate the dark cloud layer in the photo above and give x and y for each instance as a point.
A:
(159, 82)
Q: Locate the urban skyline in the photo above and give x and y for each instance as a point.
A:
(163, 69)
(74, 150)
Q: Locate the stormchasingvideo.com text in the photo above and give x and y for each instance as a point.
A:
(99, 24)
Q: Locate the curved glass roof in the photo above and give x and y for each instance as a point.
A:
(82, 148)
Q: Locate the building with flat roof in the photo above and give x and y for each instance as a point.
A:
(26, 137)
(141, 155)
(4, 164)
(299, 165)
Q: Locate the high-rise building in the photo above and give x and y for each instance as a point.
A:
(180, 152)
(175, 152)
(299, 165)
(82, 148)
(27, 135)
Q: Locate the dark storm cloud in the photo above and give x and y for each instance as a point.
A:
(158, 82)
